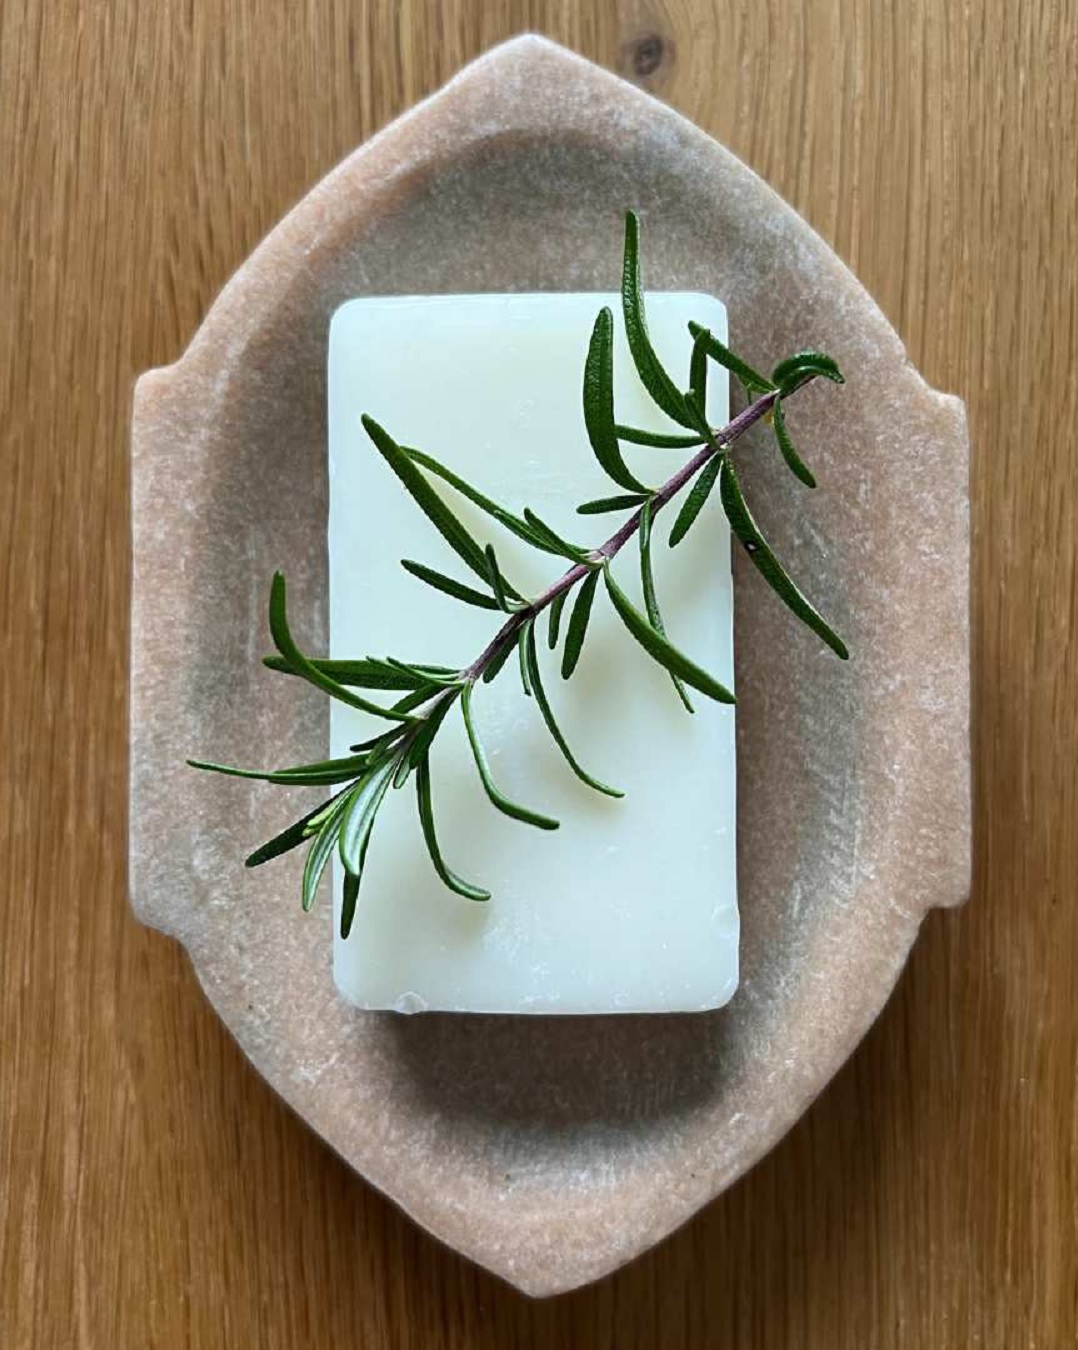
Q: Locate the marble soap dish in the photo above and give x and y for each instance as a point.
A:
(552, 1150)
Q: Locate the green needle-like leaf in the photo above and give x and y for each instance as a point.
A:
(435, 509)
(426, 820)
(321, 850)
(368, 674)
(425, 668)
(501, 588)
(387, 738)
(794, 462)
(424, 735)
(769, 567)
(511, 522)
(316, 821)
(416, 698)
(694, 406)
(497, 797)
(694, 502)
(644, 530)
(661, 649)
(650, 369)
(448, 585)
(499, 660)
(698, 367)
(282, 638)
(751, 379)
(349, 900)
(553, 541)
(651, 600)
(601, 505)
(324, 774)
(578, 624)
(426, 677)
(554, 620)
(358, 819)
(522, 653)
(802, 366)
(660, 440)
(552, 726)
(288, 839)
(599, 404)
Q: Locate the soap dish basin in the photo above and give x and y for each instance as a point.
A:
(553, 1150)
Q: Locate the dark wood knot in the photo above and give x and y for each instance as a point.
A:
(646, 54)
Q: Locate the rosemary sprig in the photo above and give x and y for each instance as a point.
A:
(428, 693)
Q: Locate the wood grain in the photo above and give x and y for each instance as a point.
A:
(152, 1190)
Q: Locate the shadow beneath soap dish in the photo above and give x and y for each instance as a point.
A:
(558, 1072)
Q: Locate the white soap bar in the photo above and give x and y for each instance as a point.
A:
(631, 905)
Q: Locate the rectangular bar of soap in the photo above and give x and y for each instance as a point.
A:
(631, 906)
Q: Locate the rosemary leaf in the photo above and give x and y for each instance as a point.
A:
(435, 509)
(387, 738)
(651, 600)
(497, 661)
(694, 502)
(415, 699)
(578, 625)
(302, 777)
(553, 541)
(532, 662)
(497, 797)
(426, 677)
(425, 668)
(694, 407)
(794, 462)
(802, 366)
(321, 849)
(601, 505)
(497, 581)
(660, 440)
(358, 820)
(751, 379)
(522, 653)
(769, 567)
(644, 529)
(315, 823)
(368, 673)
(288, 839)
(650, 369)
(404, 768)
(554, 618)
(599, 404)
(511, 522)
(426, 820)
(426, 733)
(698, 367)
(325, 773)
(661, 649)
(282, 638)
(348, 902)
(448, 585)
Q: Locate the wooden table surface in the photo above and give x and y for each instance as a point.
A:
(153, 1191)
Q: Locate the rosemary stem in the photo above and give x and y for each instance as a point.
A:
(719, 442)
